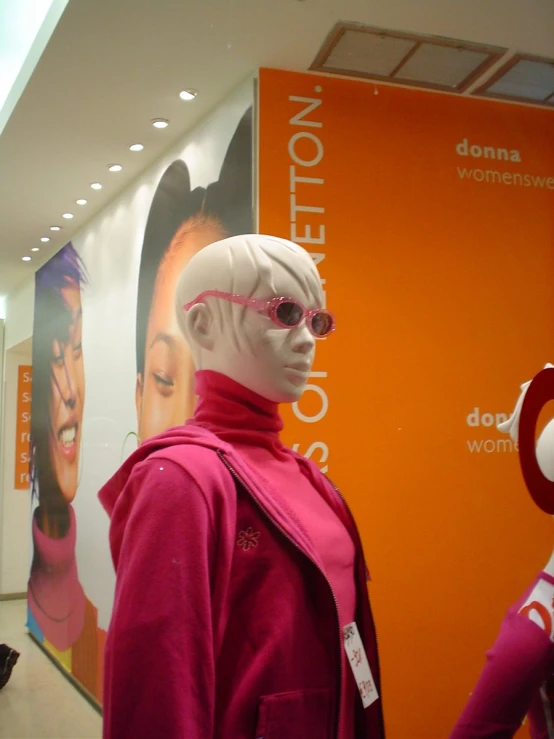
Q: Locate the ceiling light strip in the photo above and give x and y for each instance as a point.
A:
(188, 95)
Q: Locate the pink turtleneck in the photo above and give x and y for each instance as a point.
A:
(252, 425)
(56, 598)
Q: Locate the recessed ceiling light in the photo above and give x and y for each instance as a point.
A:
(160, 123)
(81, 201)
(35, 248)
(188, 94)
(115, 168)
(136, 147)
(68, 216)
(55, 228)
(26, 259)
(45, 239)
(96, 186)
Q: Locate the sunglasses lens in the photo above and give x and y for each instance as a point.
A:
(322, 323)
(289, 314)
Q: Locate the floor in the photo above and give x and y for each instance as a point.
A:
(38, 702)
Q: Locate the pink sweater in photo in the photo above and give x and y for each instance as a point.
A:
(55, 595)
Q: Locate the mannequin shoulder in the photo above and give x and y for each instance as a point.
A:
(189, 467)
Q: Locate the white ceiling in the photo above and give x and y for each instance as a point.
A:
(110, 67)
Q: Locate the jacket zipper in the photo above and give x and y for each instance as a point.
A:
(353, 520)
(237, 477)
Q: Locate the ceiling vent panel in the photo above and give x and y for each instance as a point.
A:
(368, 54)
(405, 58)
(525, 79)
(443, 66)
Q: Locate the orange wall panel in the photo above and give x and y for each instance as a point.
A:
(438, 262)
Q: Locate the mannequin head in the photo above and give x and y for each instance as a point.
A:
(241, 341)
(536, 458)
(545, 443)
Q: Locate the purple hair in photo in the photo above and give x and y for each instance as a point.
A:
(63, 268)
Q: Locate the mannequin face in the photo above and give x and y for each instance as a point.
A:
(246, 345)
(165, 395)
(272, 361)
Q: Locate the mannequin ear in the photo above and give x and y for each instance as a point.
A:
(200, 326)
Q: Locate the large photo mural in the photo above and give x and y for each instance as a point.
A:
(110, 368)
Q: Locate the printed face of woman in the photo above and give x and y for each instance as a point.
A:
(165, 394)
(67, 397)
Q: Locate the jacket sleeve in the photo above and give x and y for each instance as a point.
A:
(517, 666)
(159, 660)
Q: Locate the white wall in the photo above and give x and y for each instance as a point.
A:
(14, 504)
(2, 332)
(19, 314)
(15, 349)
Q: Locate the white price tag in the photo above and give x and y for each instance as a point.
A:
(360, 666)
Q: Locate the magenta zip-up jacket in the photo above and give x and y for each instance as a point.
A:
(210, 638)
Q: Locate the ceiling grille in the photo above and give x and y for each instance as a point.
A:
(432, 62)
(524, 79)
(425, 61)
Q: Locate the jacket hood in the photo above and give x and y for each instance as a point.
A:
(187, 434)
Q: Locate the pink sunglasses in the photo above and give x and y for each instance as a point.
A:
(284, 312)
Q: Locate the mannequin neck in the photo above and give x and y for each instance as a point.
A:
(235, 413)
(549, 569)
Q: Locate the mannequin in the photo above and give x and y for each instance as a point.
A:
(518, 677)
(241, 605)
(549, 569)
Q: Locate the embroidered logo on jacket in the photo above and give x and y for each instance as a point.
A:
(248, 539)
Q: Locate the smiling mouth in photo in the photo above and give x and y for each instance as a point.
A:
(67, 435)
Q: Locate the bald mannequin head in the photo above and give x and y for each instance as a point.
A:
(241, 342)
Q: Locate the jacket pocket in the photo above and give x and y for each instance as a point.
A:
(301, 714)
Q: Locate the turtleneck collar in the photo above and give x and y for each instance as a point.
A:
(234, 413)
(56, 597)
